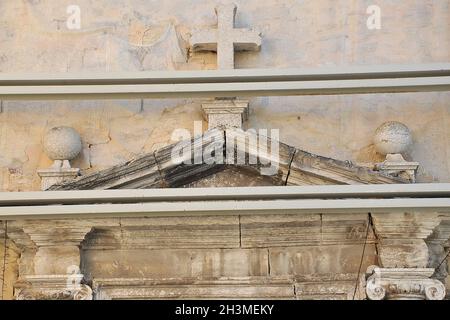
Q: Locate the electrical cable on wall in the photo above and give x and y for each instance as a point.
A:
(362, 256)
(4, 259)
(440, 264)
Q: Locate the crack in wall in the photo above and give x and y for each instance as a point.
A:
(289, 167)
(376, 236)
(5, 256)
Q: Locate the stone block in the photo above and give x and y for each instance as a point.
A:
(163, 233)
(304, 230)
(170, 263)
(320, 259)
(280, 230)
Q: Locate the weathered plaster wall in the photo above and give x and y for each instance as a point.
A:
(138, 35)
(8, 264)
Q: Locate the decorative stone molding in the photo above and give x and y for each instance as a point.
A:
(403, 284)
(338, 286)
(194, 288)
(53, 287)
(61, 144)
(225, 113)
(392, 139)
(401, 238)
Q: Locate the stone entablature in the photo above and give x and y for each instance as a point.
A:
(199, 256)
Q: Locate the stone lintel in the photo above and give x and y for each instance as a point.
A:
(194, 288)
(53, 176)
(225, 113)
(403, 284)
(326, 286)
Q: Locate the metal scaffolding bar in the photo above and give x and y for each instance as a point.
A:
(219, 201)
(228, 83)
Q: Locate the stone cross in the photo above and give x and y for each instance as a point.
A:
(225, 40)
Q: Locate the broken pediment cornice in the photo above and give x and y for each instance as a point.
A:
(160, 170)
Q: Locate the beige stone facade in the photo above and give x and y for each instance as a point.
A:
(126, 144)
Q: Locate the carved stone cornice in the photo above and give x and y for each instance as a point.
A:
(403, 284)
(27, 247)
(56, 233)
(53, 287)
(295, 166)
(311, 169)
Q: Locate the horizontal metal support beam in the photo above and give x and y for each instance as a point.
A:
(242, 89)
(229, 76)
(219, 201)
(424, 190)
(227, 83)
(226, 207)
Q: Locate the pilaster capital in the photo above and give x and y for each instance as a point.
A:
(403, 284)
(53, 287)
(401, 238)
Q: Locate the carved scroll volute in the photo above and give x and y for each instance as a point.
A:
(84, 293)
(53, 287)
(435, 291)
(374, 289)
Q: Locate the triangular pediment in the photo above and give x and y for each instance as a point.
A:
(292, 166)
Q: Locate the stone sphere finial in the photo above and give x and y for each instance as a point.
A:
(62, 143)
(392, 138)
